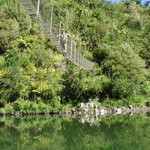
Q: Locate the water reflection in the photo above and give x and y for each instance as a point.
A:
(121, 132)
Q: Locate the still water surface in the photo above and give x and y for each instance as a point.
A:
(121, 132)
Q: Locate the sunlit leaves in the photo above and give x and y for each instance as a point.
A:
(115, 36)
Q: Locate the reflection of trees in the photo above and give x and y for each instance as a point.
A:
(117, 132)
(31, 133)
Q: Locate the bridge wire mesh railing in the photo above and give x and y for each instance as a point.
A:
(47, 16)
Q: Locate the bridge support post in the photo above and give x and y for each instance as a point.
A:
(51, 21)
(59, 33)
(38, 6)
(75, 53)
(71, 50)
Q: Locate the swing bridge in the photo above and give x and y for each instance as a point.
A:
(52, 27)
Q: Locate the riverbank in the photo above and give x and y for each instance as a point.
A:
(90, 108)
(107, 110)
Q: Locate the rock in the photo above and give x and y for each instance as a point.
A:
(91, 104)
(86, 109)
(102, 111)
(119, 111)
(91, 120)
(114, 110)
(82, 105)
(82, 120)
(86, 105)
(97, 111)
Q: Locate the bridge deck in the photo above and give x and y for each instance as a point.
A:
(72, 54)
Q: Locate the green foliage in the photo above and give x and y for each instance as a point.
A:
(115, 36)
(28, 107)
(2, 1)
(18, 105)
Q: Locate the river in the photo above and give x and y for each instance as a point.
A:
(118, 132)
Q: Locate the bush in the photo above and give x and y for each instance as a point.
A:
(18, 105)
(2, 1)
(136, 100)
(9, 108)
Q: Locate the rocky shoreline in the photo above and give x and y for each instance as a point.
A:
(84, 109)
(92, 108)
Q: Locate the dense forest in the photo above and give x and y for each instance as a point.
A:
(116, 36)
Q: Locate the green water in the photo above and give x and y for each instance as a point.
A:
(121, 132)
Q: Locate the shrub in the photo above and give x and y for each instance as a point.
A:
(9, 108)
(18, 105)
